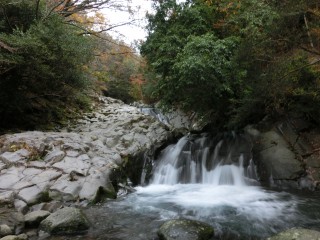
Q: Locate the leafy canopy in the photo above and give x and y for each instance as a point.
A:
(234, 61)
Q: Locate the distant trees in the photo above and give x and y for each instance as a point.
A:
(235, 61)
(48, 59)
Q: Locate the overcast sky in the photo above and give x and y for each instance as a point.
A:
(129, 33)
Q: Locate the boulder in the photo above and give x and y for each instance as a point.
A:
(184, 229)
(275, 158)
(5, 230)
(14, 220)
(15, 237)
(297, 234)
(33, 219)
(67, 220)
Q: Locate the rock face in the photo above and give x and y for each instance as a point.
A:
(184, 229)
(287, 153)
(297, 234)
(67, 221)
(81, 163)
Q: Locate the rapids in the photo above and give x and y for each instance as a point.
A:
(208, 179)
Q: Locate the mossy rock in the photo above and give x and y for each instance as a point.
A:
(297, 234)
(68, 220)
(184, 229)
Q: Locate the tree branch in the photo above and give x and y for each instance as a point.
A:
(298, 69)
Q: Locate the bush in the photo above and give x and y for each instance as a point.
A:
(41, 76)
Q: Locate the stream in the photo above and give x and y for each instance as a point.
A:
(208, 179)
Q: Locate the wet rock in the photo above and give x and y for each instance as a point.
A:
(184, 229)
(297, 234)
(33, 219)
(67, 221)
(276, 159)
(15, 237)
(5, 230)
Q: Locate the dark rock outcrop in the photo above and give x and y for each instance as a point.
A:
(287, 153)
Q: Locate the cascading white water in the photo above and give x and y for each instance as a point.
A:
(189, 161)
(211, 179)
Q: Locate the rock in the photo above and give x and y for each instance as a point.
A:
(67, 221)
(65, 189)
(184, 229)
(79, 164)
(21, 206)
(31, 195)
(6, 197)
(297, 234)
(14, 220)
(48, 206)
(5, 230)
(33, 219)
(15, 237)
(275, 158)
(54, 156)
(97, 186)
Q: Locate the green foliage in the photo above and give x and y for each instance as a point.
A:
(234, 61)
(43, 74)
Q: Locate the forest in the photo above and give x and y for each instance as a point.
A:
(231, 62)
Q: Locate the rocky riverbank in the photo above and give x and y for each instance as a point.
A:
(45, 177)
(81, 165)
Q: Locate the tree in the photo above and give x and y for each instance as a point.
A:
(41, 67)
(229, 58)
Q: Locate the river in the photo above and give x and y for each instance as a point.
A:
(198, 179)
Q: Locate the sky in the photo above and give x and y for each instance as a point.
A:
(129, 33)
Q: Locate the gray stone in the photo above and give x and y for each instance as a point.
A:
(184, 229)
(6, 197)
(11, 157)
(21, 206)
(54, 156)
(97, 142)
(31, 195)
(65, 221)
(15, 237)
(13, 219)
(5, 230)
(97, 186)
(275, 158)
(69, 164)
(9, 178)
(297, 234)
(33, 219)
(47, 206)
(65, 189)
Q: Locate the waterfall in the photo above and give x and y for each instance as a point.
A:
(221, 160)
